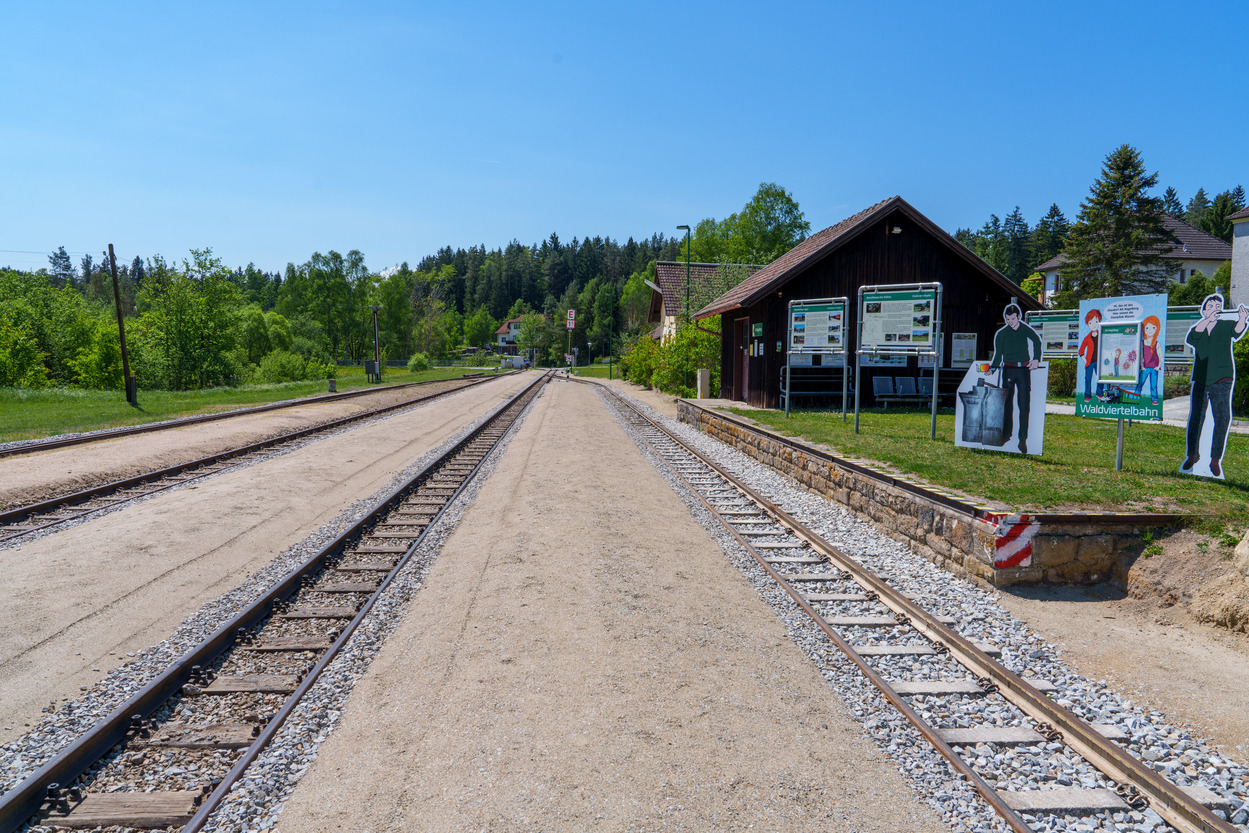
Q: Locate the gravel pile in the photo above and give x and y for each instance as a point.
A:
(1170, 751)
(252, 808)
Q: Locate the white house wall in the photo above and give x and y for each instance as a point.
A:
(1238, 293)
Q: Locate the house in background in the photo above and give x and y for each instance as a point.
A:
(886, 244)
(705, 282)
(1238, 292)
(1196, 252)
(505, 336)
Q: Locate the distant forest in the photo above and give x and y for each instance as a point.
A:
(1016, 249)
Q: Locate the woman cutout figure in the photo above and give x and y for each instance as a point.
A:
(1150, 360)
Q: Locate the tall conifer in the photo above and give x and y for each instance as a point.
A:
(1117, 242)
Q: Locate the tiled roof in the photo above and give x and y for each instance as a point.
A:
(670, 276)
(1194, 244)
(1242, 214)
(823, 242)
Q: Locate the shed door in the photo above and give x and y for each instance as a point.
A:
(741, 347)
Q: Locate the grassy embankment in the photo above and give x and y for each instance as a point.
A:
(1077, 471)
(27, 414)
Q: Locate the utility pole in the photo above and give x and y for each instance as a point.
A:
(132, 389)
(377, 355)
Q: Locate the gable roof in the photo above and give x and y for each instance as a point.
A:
(670, 276)
(1242, 214)
(823, 243)
(1194, 244)
(505, 327)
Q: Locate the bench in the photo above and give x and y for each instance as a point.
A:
(817, 384)
(906, 392)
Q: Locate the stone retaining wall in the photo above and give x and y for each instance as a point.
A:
(1065, 550)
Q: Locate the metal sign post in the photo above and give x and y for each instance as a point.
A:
(817, 327)
(900, 320)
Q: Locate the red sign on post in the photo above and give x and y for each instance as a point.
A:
(572, 320)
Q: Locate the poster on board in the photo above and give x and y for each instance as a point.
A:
(1000, 403)
(899, 320)
(963, 350)
(1122, 357)
(819, 327)
(1213, 383)
(1059, 330)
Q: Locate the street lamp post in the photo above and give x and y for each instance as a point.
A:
(687, 287)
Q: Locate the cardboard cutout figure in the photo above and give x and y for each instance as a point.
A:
(1213, 381)
(1001, 403)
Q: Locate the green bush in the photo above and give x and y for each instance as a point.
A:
(682, 356)
(418, 362)
(640, 363)
(1063, 377)
(282, 366)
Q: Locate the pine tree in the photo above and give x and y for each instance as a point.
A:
(1117, 242)
(61, 267)
(1215, 221)
(1018, 246)
(1238, 198)
(1197, 208)
(1171, 204)
(1050, 235)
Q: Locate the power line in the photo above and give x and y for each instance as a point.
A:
(49, 254)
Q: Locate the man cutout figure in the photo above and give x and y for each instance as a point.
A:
(1214, 376)
(1011, 353)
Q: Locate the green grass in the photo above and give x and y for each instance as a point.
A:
(29, 414)
(597, 371)
(1077, 471)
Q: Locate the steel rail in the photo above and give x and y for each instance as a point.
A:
(25, 799)
(19, 513)
(218, 795)
(1168, 800)
(110, 433)
(927, 731)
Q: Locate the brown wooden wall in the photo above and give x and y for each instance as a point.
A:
(971, 302)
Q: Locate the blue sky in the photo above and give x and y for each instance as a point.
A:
(268, 131)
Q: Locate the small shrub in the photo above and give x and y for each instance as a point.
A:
(1062, 378)
(418, 362)
(282, 366)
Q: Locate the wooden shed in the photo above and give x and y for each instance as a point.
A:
(888, 243)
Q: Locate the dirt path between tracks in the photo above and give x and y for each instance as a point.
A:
(583, 657)
(29, 478)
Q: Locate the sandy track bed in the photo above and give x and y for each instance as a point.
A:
(78, 601)
(43, 475)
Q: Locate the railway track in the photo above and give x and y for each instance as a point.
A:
(171, 754)
(925, 668)
(113, 433)
(21, 521)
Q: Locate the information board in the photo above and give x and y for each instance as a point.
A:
(963, 350)
(817, 327)
(1059, 330)
(1119, 353)
(898, 321)
(1179, 321)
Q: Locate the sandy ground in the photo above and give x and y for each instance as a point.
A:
(28, 478)
(76, 602)
(582, 656)
(1196, 674)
